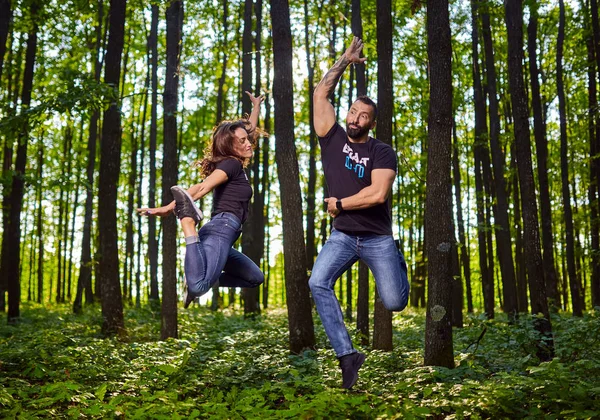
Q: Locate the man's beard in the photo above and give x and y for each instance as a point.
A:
(356, 133)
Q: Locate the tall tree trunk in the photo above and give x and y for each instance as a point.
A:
(296, 280)
(521, 266)
(362, 303)
(110, 168)
(5, 18)
(382, 324)
(311, 249)
(593, 189)
(487, 281)
(84, 283)
(140, 199)
(132, 177)
(465, 259)
(357, 30)
(250, 231)
(502, 226)
(40, 227)
(541, 147)
(266, 186)
(535, 268)
(169, 175)
(11, 258)
(438, 202)
(216, 296)
(152, 239)
(564, 169)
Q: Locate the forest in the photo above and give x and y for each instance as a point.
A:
(492, 110)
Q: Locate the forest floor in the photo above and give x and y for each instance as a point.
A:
(56, 364)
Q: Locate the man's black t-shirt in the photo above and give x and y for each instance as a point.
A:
(348, 169)
(232, 196)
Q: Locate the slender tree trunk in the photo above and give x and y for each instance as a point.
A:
(297, 294)
(152, 239)
(357, 30)
(169, 175)
(564, 166)
(541, 147)
(110, 162)
(535, 268)
(12, 231)
(40, 228)
(465, 259)
(266, 187)
(5, 19)
(487, 281)
(521, 266)
(84, 283)
(502, 226)
(216, 296)
(438, 202)
(311, 249)
(362, 303)
(382, 324)
(252, 243)
(593, 190)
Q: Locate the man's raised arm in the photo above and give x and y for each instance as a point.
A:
(324, 114)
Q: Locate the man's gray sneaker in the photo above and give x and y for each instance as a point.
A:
(184, 204)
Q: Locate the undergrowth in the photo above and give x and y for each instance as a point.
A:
(56, 364)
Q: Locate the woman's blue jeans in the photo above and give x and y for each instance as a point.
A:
(213, 258)
(340, 251)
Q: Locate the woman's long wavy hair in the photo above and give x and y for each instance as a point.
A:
(221, 144)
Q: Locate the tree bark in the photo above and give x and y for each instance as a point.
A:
(382, 324)
(251, 242)
(541, 147)
(297, 293)
(152, 240)
(465, 259)
(593, 190)
(311, 249)
(11, 258)
(487, 280)
(169, 326)
(40, 229)
(564, 169)
(110, 168)
(357, 30)
(5, 18)
(438, 202)
(521, 266)
(535, 269)
(362, 303)
(502, 226)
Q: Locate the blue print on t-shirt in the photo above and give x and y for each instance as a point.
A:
(358, 168)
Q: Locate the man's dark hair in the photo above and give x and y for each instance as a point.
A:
(368, 101)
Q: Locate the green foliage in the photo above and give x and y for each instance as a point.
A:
(54, 364)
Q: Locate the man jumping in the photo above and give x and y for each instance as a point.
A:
(359, 171)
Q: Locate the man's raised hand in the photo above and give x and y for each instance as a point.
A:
(352, 53)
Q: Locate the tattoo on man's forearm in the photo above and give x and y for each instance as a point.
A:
(331, 78)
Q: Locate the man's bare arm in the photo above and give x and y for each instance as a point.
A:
(324, 114)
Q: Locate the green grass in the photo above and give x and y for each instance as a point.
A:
(55, 364)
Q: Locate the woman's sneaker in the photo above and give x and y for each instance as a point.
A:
(187, 297)
(184, 205)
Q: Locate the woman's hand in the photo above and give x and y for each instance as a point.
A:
(256, 100)
(156, 211)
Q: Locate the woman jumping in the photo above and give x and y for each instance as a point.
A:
(209, 255)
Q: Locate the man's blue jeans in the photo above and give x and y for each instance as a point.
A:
(340, 251)
(213, 258)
